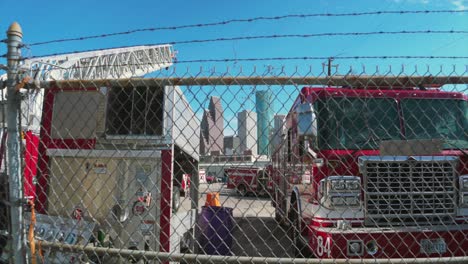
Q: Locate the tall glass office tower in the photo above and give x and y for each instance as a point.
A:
(265, 111)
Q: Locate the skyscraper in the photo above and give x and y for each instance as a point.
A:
(265, 112)
(278, 132)
(247, 131)
(278, 129)
(212, 128)
(231, 145)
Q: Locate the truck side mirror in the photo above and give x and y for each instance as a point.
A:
(307, 120)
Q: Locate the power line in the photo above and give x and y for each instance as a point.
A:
(327, 34)
(246, 20)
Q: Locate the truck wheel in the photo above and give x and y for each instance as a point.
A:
(279, 213)
(300, 247)
(175, 199)
(242, 190)
(294, 229)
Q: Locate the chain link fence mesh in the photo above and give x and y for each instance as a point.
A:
(299, 167)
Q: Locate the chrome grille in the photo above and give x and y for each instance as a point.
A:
(402, 190)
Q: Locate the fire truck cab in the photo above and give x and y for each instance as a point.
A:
(388, 171)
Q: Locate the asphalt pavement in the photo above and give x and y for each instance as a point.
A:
(255, 232)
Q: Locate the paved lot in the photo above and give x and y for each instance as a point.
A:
(260, 237)
(249, 206)
(256, 233)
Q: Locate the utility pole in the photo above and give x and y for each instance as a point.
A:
(17, 235)
(330, 65)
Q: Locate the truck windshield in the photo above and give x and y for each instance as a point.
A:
(356, 123)
(445, 119)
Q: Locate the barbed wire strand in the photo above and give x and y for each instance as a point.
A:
(246, 20)
(326, 34)
(319, 35)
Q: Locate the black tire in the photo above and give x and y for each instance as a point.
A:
(279, 214)
(175, 199)
(241, 190)
(300, 247)
(293, 231)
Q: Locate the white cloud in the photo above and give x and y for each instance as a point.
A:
(460, 4)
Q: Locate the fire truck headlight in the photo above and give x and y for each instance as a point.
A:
(464, 191)
(350, 200)
(464, 183)
(338, 200)
(337, 185)
(465, 200)
(354, 200)
(340, 191)
(353, 185)
(343, 183)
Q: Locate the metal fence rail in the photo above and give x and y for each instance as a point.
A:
(161, 256)
(312, 79)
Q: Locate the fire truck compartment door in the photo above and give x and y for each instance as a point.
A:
(95, 181)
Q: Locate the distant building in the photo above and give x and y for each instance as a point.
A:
(232, 145)
(278, 131)
(264, 107)
(278, 128)
(212, 128)
(205, 125)
(247, 132)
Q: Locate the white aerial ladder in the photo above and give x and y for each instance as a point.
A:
(102, 64)
(117, 63)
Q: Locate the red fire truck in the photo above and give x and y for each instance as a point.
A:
(388, 170)
(247, 180)
(133, 172)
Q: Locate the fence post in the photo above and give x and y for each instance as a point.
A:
(18, 246)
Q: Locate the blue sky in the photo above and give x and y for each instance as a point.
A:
(47, 20)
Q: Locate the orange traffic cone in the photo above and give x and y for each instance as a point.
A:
(212, 199)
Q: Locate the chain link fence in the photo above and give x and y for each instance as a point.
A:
(249, 168)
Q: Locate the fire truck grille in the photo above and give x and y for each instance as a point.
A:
(409, 191)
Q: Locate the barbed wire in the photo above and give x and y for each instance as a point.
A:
(248, 20)
(326, 34)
